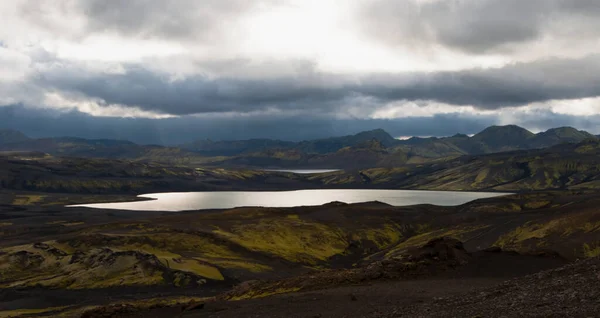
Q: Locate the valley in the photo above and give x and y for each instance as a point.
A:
(334, 259)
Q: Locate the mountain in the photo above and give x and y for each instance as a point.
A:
(9, 136)
(97, 148)
(430, 148)
(564, 166)
(369, 153)
(325, 153)
(492, 140)
(499, 138)
(559, 135)
(333, 144)
(346, 152)
(208, 147)
(317, 146)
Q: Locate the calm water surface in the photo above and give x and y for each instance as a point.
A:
(182, 201)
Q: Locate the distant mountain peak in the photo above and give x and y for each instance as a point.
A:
(379, 134)
(506, 128)
(565, 131)
(8, 136)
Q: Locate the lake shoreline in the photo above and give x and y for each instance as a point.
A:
(210, 200)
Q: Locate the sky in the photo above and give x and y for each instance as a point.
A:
(172, 71)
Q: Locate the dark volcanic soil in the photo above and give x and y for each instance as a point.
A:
(569, 291)
(362, 281)
(374, 291)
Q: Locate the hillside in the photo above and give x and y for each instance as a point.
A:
(68, 259)
(98, 148)
(569, 166)
(235, 147)
(370, 153)
(317, 146)
(559, 167)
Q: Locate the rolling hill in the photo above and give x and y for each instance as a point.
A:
(11, 140)
(560, 167)
(565, 166)
(66, 261)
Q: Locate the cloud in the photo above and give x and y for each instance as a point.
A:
(478, 26)
(274, 64)
(173, 20)
(309, 90)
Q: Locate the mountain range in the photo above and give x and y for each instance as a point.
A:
(566, 166)
(374, 148)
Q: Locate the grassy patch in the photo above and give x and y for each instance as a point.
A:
(238, 264)
(294, 240)
(265, 293)
(459, 233)
(592, 250)
(27, 199)
(28, 312)
(383, 237)
(536, 204)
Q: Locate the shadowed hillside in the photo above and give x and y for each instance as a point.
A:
(566, 166)
(560, 167)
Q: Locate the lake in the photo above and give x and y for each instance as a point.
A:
(182, 201)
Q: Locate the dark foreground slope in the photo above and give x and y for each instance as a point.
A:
(566, 291)
(68, 260)
(569, 291)
(439, 269)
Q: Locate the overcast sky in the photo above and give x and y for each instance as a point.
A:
(166, 71)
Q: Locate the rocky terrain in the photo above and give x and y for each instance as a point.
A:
(568, 291)
(66, 262)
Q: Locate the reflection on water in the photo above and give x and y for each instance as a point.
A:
(303, 171)
(181, 201)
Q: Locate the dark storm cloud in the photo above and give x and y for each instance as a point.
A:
(195, 94)
(512, 85)
(47, 123)
(478, 26)
(50, 123)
